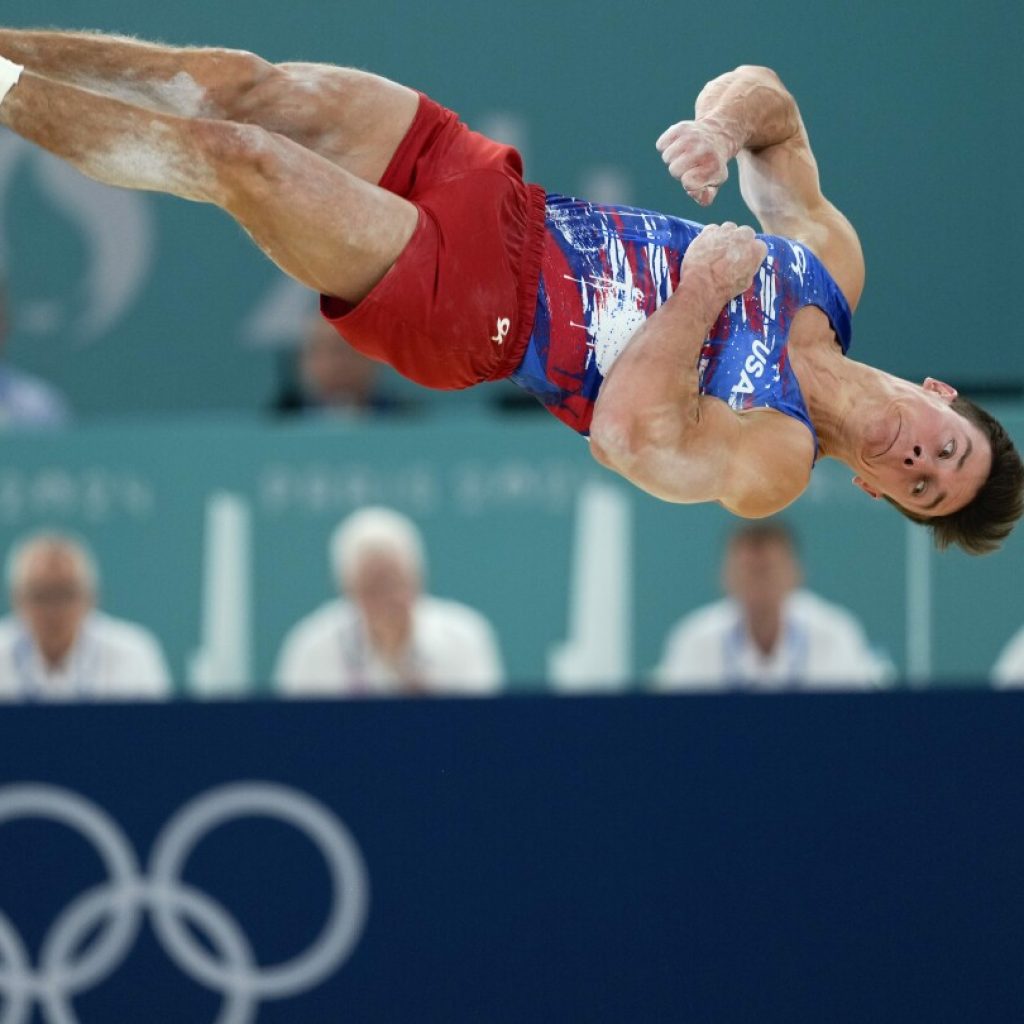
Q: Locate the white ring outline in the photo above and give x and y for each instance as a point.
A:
(241, 1004)
(39, 800)
(350, 884)
(17, 998)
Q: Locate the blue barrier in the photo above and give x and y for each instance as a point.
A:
(646, 860)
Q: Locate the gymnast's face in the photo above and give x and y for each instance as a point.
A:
(922, 453)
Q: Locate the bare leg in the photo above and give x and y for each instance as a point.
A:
(325, 227)
(352, 118)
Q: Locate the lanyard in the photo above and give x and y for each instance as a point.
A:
(794, 643)
(357, 660)
(84, 655)
(354, 652)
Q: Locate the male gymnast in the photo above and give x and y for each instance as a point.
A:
(704, 365)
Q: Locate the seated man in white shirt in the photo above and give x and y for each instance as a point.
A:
(58, 646)
(386, 637)
(767, 634)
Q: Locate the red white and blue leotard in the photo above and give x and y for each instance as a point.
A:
(607, 268)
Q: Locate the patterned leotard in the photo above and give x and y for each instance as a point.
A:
(607, 268)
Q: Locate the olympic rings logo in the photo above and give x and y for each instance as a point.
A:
(113, 911)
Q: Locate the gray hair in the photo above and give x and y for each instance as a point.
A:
(22, 550)
(375, 530)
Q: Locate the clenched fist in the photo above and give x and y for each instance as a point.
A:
(724, 258)
(697, 154)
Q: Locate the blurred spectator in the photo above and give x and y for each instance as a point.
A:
(768, 634)
(334, 379)
(388, 637)
(58, 646)
(1008, 670)
(26, 402)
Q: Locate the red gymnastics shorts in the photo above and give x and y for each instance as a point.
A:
(457, 307)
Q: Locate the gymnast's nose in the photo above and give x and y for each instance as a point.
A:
(909, 461)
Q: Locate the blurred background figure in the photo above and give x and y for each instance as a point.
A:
(387, 636)
(1008, 670)
(57, 645)
(329, 377)
(768, 633)
(26, 402)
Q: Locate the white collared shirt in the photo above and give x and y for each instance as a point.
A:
(110, 660)
(327, 654)
(822, 647)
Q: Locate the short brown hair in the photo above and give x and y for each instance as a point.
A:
(985, 521)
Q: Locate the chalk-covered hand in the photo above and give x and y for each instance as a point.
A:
(697, 154)
(722, 261)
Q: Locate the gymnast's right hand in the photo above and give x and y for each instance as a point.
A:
(723, 259)
(697, 154)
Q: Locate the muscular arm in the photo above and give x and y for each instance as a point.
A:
(748, 114)
(652, 425)
(647, 421)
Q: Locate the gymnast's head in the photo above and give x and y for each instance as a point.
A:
(947, 464)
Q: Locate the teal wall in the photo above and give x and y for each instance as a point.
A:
(138, 304)
(496, 502)
(913, 109)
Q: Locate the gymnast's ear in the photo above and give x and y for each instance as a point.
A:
(940, 388)
(859, 481)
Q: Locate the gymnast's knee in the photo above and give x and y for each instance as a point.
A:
(241, 159)
(230, 78)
